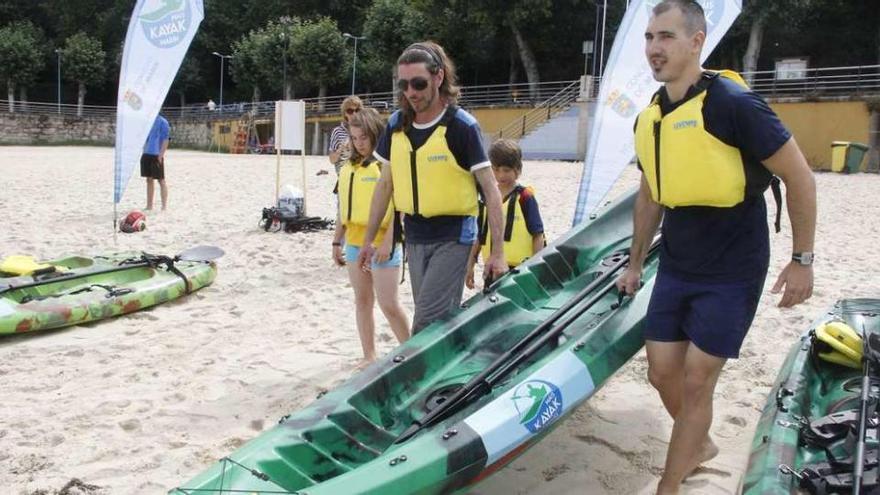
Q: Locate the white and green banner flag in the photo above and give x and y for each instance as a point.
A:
(626, 88)
(158, 37)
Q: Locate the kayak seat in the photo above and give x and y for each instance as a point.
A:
(18, 264)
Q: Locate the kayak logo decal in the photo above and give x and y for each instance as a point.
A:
(538, 403)
(167, 22)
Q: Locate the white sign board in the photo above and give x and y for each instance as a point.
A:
(290, 125)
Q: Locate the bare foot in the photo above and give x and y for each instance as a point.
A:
(707, 453)
(363, 363)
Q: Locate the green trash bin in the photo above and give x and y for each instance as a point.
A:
(847, 156)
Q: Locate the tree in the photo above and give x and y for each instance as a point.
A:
(761, 13)
(84, 61)
(390, 26)
(22, 57)
(261, 57)
(278, 54)
(188, 78)
(320, 54)
(246, 67)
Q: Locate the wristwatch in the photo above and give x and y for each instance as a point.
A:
(805, 258)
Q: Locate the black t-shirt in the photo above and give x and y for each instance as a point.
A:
(465, 141)
(725, 244)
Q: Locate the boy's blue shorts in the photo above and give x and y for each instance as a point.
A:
(715, 316)
(352, 252)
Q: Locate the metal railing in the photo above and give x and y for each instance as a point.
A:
(823, 82)
(545, 111)
(520, 94)
(859, 80)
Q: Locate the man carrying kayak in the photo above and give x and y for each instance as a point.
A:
(433, 158)
(708, 148)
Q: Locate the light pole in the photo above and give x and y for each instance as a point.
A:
(58, 53)
(222, 59)
(354, 64)
(284, 41)
(588, 50)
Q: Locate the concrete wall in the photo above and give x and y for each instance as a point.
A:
(20, 128)
(27, 129)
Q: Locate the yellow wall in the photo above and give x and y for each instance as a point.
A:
(493, 119)
(816, 124)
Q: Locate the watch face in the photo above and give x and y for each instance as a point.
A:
(803, 258)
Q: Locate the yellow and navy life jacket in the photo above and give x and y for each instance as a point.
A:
(357, 182)
(517, 239)
(429, 181)
(689, 166)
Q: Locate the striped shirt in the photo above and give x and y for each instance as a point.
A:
(338, 138)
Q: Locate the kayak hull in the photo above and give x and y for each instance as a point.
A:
(87, 292)
(344, 441)
(806, 388)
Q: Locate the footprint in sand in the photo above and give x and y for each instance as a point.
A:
(130, 425)
(735, 420)
(552, 472)
(143, 316)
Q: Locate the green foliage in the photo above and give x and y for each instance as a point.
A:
(319, 52)
(476, 34)
(390, 26)
(189, 77)
(83, 60)
(23, 53)
(258, 57)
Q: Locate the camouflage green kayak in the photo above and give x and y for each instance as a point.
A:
(79, 289)
(467, 395)
(806, 439)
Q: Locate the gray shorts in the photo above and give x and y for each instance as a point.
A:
(437, 273)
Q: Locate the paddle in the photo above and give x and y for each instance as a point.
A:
(198, 253)
(524, 349)
(871, 354)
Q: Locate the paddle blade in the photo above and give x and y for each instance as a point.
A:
(201, 253)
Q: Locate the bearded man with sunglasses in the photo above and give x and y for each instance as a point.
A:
(434, 163)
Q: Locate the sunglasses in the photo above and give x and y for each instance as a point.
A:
(417, 83)
(350, 111)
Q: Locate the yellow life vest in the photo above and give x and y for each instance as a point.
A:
(688, 166)
(517, 239)
(429, 181)
(357, 182)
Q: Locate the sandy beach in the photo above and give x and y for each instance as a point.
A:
(141, 403)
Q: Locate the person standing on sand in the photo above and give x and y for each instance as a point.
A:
(433, 158)
(704, 178)
(357, 181)
(153, 160)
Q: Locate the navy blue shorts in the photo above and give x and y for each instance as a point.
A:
(714, 316)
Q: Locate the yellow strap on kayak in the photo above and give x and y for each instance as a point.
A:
(19, 264)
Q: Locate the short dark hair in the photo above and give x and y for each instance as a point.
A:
(506, 153)
(694, 16)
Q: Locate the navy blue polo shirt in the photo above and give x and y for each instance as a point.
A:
(466, 143)
(725, 244)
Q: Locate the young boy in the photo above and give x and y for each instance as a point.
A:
(523, 227)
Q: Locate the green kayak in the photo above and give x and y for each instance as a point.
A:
(81, 289)
(805, 441)
(467, 395)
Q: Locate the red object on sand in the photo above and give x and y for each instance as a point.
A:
(135, 221)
